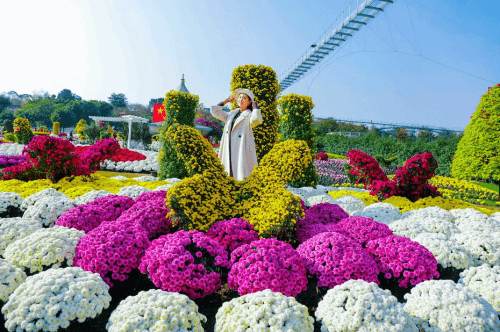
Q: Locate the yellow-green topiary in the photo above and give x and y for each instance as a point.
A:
(336, 156)
(296, 123)
(23, 130)
(56, 128)
(180, 108)
(263, 82)
(478, 152)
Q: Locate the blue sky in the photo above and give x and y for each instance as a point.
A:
(142, 48)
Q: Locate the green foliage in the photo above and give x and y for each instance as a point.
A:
(104, 108)
(325, 126)
(5, 116)
(263, 82)
(64, 116)
(66, 96)
(37, 111)
(118, 100)
(9, 126)
(4, 103)
(93, 132)
(11, 137)
(478, 152)
(140, 132)
(442, 149)
(180, 108)
(296, 123)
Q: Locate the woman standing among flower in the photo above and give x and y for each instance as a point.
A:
(237, 146)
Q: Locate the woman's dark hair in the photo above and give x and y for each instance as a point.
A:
(250, 106)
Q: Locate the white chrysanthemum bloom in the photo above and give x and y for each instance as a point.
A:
(11, 277)
(350, 203)
(156, 310)
(145, 178)
(407, 227)
(119, 177)
(448, 252)
(91, 195)
(32, 199)
(165, 187)
(318, 199)
(263, 311)
(429, 212)
(484, 247)
(48, 209)
(12, 229)
(54, 298)
(478, 223)
(47, 247)
(495, 216)
(11, 149)
(382, 212)
(435, 225)
(132, 191)
(10, 199)
(173, 180)
(357, 305)
(485, 282)
(443, 306)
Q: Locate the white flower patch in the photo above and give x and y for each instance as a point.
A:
(145, 178)
(357, 305)
(132, 191)
(484, 247)
(156, 310)
(263, 311)
(407, 227)
(173, 180)
(468, 213)
(10, 278)
(442, 305)
(91, 195)
(165, 187)
(434, 212)
(478, 223)
(434, 225)
(11, 149)
(448, 252)
(350, 203)
(48, 209)
(495, 216)
(10, 199)
(147, 165)
(52, 299)
(47, 247)
(119, 177)
(485, 282)
(382, 212)
(32, 199)
(12, 229)
(313, 200)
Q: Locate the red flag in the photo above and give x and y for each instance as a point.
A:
(158, 113)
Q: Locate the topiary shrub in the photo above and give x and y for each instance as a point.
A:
(296, 123)
(263, 82)
(55, 128)
(477, 155)
(180, 108)
(23, 130)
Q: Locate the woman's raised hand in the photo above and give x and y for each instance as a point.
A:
(230, 99)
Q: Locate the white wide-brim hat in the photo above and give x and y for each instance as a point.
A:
(245, 91)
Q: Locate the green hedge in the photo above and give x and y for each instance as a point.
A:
(442, 149)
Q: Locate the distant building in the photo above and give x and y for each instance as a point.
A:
(182, 87)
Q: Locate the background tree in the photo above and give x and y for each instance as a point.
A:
(37, 111)
(118, 100)
(9, 126)
(6, 115)
(66, 95)
(89, 109)
(4, 102)
(39, 95)
(155, 101)
(64, 116)
(105, 109)
(424, 134)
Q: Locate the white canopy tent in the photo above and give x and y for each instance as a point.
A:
(125, 118)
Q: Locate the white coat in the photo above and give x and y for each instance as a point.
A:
(242, 150)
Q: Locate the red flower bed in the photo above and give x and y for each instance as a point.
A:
(121, 155)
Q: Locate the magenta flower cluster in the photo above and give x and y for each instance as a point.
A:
(401, 258)
(267, 264)
(151, 215)
(185, 262)
(335, 258)
(233, 233)
(364, 229)
(112, 249)
(88, 216)
(319, 218)
(157, 196)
